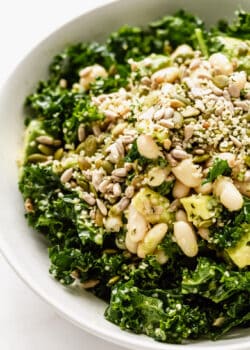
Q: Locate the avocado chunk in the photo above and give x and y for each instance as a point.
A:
(201, 209)
(240, 254)
(34, 129)
(152, 63)
(153, 206)
(234, 47)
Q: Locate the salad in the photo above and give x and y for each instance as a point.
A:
(136, 168)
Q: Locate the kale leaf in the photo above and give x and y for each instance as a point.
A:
(53, 105)
(214, 281)
(240, 28)
(83, 112)
(232, 227)
(68, 63)
(161, 315)
(219, 167)
(178, 29)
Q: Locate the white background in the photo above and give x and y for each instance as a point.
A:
(26, 322)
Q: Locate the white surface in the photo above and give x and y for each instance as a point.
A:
(27, 322)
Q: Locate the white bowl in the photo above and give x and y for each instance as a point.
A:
(25, 250)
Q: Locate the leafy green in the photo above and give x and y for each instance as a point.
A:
(84, 112)
(214, 281)
(234, 313)
(219, 167)
(64, 261)
(232, 226)
(240, 28)
(165, 188)
(161, 315)
(53, 105)
(178, 29)
(68, 63)
(133, 155)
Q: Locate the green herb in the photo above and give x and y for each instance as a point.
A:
(219, 167)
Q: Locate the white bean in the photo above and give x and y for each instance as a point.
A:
(187, 173)
(228, 194)
(156, 176)
(204, 233)
(167, 75)
(181, 215)
(180, 190)
(183, 51)
(147, 147)
(130, 245)
(221, 64)
(186, 238)
(137, 225)
(237, 83)
(161, 257)
(151, 240)
(113, 223)
(204, 189)
(243, 187)
(89, 74)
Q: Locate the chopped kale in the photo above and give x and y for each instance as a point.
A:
(233, 226)
(219, 167)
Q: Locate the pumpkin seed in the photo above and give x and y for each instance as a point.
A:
(37, 158)
(45, 150)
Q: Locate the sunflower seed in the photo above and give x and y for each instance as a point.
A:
(120, 172)
(122, 204)
(81, 133)
(103, 186)
(66, 175)
(167, 123)
(171, 160)
(129, 192)
(117, 190)
(45, 140)
(101, 207)
(90, 284)
(188, 131)
(179, 154)
(236, 142)
(28, 205)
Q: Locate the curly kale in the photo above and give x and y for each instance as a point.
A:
(68, 63)
(214, 281)
(164, 318)
(178, 29)
(240, 28)
(219, 167)
(233, 226)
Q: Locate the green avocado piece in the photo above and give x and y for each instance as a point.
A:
(237, 48)
(153, 206)
(241, 253)
(152, 63)
(34, 129)
(201, 209)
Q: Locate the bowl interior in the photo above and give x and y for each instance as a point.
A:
(26, 250)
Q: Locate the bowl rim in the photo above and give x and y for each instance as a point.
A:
(120, 338)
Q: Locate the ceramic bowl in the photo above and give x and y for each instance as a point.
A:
(25, 250)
